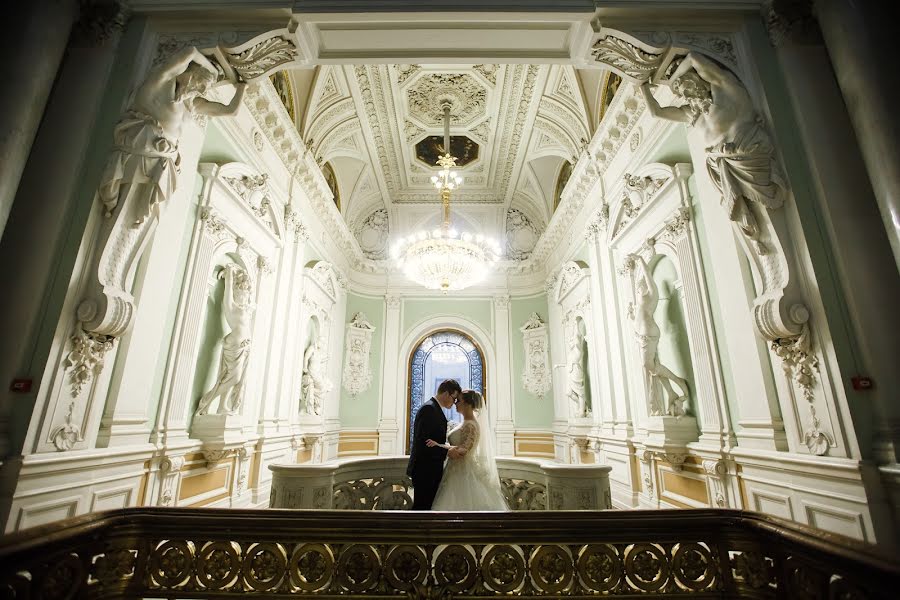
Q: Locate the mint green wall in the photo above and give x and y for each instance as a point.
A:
(529, 411)
(416, 310)
(362, 411)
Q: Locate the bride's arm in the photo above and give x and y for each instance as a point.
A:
(470, 437)
(431, 444)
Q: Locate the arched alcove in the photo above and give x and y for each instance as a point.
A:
(442, 354)
(674, 349)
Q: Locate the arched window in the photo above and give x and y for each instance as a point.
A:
(562, 178)
(331, 180)
(442, 355)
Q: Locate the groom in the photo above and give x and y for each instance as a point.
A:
(426, 465)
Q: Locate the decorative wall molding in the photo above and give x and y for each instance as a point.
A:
(357, 374)
(536, 376)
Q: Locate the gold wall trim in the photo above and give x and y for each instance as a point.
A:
(537, 444)
(358, 443)
(203, 483)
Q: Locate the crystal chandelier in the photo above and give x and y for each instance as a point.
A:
(445, 259)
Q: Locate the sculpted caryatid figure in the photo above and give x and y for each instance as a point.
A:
(238, 310)
(646, 298)
(140, 176)
(739, 153)
(145, 159)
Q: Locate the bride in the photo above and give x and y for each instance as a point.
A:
(470, 482)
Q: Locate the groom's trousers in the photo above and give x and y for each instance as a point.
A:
(425, 486)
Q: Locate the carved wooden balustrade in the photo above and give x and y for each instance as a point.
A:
(381, 484)
(220, 553)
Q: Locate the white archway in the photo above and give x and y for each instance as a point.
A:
(410, 342)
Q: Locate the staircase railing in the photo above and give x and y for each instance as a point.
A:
(210, 553)
(349, 484)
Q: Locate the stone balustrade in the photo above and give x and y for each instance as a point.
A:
(380, 483)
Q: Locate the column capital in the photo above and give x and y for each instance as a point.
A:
(791, 22)
(99, 21)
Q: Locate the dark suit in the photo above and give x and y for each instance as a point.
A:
(426, 465)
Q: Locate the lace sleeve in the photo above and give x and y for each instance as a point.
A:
(469, 436)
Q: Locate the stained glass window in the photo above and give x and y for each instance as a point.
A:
(443, 355)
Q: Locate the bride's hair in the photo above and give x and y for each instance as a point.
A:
(473, 399)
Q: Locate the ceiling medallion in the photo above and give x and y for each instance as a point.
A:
(445, 259)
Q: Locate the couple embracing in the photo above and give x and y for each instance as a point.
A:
(455, 471)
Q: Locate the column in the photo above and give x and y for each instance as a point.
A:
(859, 36)
(36, 36)
(603, 380)
(501, 396)
(291, 361)
(866, 267)
(390, 439)
(53, 198)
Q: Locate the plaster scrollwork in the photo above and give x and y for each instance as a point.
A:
(598, 223)
(536, 377)
(800, 365)
(465, 94)
(357, 376)
(169, 468)
(373, 233)
(328, 278)
(677, 225)
(294, 224)
(489, 72)
(521, 235)
(214, 456)
(213, 224)
(258, 57)
(570, 275)
(404, 72)
(716, 472)
(263, 265)
(85, 360)
(626, 58)
(636, 193)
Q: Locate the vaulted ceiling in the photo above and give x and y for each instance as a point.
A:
(519, 125)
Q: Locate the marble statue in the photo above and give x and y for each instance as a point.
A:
(575, 360)
(646, 298)
(739, 153)
(312, 383)
(238, 311)
(140, 177)
(145, 161)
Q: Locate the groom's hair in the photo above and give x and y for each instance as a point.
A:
(450, 386)
(473, 399)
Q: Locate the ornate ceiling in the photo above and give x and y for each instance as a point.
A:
(522, 123)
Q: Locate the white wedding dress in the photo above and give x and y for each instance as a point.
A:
(470, 482)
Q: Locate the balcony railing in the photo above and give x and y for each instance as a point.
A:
(221, 553)
(381, 484)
